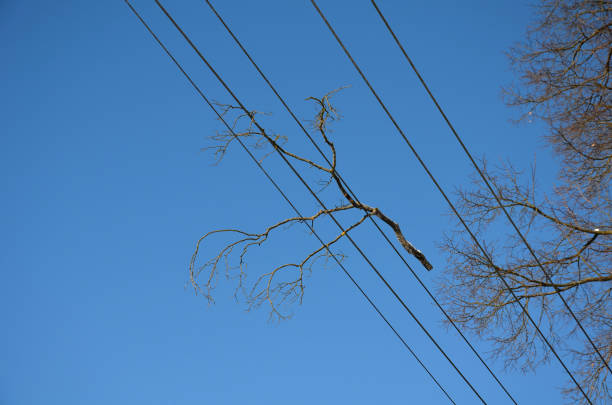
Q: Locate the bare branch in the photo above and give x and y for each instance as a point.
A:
(283, 284)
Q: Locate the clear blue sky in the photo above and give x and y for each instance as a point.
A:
(104, 191)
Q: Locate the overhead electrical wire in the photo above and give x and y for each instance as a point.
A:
(284, 158)
(281, 155)
(299, 123)
(483, 177)
(286, 198)
(433, 179)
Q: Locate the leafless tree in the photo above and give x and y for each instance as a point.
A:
(283, 283)
(564, 66)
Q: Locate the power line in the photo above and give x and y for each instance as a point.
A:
(284, 158)
(299, 123)
(469, 155)
(277, 187)
(415, 153)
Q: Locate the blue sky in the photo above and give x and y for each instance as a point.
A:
(105, 190)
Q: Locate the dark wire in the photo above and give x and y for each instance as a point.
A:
(299, 123)
(276, 186)
(469, 155)
(284, 158)
(433, 179)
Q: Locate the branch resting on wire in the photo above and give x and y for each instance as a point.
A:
(284, 283)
